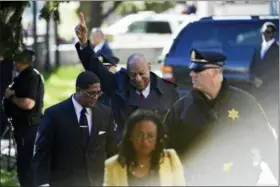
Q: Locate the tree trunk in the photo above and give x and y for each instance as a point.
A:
(47, 41)
(96, 14)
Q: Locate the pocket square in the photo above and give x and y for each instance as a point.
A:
(101, 132)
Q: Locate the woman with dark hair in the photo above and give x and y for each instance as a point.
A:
(142, 159)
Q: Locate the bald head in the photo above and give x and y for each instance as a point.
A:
(139, 70)
(97, 36)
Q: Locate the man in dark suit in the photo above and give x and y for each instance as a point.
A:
(110, 62)
(265, 73)
(133, 88)
(74, 138)
(100, 44)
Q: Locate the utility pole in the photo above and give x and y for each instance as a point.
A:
(35, 47)
(274, 7)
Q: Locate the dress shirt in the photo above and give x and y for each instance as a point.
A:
(146, 91)
(78, 109)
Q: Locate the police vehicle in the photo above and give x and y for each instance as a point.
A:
(235, 36)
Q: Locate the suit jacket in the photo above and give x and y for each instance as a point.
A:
(170, 171)
(105, 50)
(267, 69)
(61, 157)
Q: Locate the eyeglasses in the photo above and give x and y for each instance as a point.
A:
(198, 70)
(93, 94)
(149, 136)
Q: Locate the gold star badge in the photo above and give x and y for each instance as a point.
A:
(233, 114)
(227, 166)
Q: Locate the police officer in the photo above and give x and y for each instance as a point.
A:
(23, 103)
(220, 132)
(110, 62)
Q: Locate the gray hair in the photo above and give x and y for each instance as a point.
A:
(135, 56)
(97, 30)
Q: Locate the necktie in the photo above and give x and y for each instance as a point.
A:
(84, 124)
(142, 95)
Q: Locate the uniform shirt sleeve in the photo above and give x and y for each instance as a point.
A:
(28, 88)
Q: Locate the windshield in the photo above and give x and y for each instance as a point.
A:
(236, 39)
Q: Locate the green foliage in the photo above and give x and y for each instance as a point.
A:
(51, 10)
(59, 85)
(130, 7)
(8, 178)
(11, 32)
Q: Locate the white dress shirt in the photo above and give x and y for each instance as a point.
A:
(265, 46)
(78, 109)
(146, 91)
(98, 46)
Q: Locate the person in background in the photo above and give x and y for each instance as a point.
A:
(142, 159)
(74, 138)
(6, 77)
(220, 132)
(23, 104)
(100, 44)
(265, 71)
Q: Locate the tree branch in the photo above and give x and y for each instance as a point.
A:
(116, 4)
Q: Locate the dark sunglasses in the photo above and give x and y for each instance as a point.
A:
(200, 69)
(92, 94)
(268, 32)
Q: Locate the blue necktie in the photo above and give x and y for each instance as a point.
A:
(84, 124)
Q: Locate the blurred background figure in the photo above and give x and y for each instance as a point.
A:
(142, 159)
(100, 45)
(265, 72)
(6, 72)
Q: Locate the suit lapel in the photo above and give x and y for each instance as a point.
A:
(95, 123)
(269, 50)
(73, 124)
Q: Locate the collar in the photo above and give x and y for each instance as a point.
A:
(99, 46)
(78, 107)
(146, 91)
(211, 103)
(269, 43)
(26, 71)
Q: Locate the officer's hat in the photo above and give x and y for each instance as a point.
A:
(24, 56)
(108, 60)
(201, 58)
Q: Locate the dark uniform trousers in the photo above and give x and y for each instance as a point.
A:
(221, 141)
(25, 138)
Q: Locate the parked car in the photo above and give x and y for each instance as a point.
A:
(236, 37)
(145, 28)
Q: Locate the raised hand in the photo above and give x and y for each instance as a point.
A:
(81, 29)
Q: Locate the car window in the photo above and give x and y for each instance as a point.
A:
(154, 27)
(161, 27)
(236, 39)
(137, 27)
